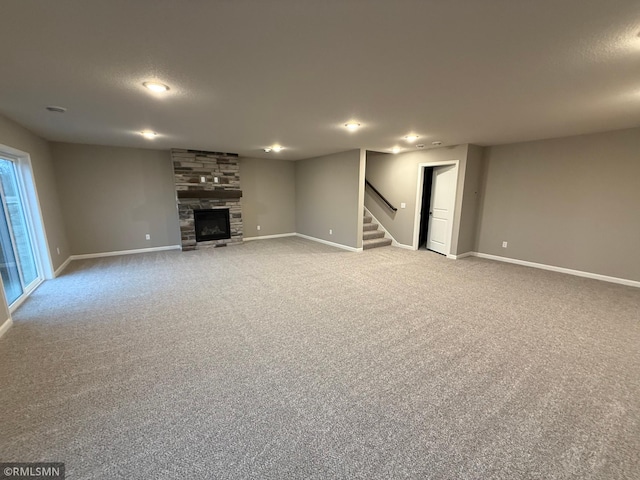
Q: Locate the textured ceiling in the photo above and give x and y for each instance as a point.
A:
(245, 74)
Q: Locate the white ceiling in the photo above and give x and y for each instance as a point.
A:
(245, 74)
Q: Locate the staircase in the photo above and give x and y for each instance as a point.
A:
(371, 236)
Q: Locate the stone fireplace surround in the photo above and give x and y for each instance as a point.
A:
(190, 168)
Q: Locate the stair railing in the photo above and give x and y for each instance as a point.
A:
(368, 183)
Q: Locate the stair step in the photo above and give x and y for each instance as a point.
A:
(372, 234)
(369, 226)
(376, 242)
(367, 219)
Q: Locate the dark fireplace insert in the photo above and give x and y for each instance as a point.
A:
(212, 224)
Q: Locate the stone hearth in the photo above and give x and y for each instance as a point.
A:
(195, 174)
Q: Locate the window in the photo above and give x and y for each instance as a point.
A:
(18, 260)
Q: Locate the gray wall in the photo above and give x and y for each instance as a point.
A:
(570, 202)
(361, 185)
(327, 197)
(396, 177)
(18, 137)
(111, 197)
(474, 175)
(268, 196)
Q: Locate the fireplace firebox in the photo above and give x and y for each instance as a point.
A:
(212, 224)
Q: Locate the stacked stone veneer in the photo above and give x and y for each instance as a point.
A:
(189, 166)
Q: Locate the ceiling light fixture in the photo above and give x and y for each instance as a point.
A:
(148, 134)
(273, 148)
(352, 126)
(56, 109)
(395, 150)
(437, 143)
(156, 87)
(412, 137)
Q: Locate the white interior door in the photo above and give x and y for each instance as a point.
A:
(443, 198)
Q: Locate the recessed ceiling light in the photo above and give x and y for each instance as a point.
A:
(56, 109)
(156, 86)
(352, 126)
(273, 148)
(412, 137)
(148, 134)
(395, 150)
(437, 143)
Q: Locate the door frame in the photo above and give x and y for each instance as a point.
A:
(427, 180)
(420, 191)
(33, 216)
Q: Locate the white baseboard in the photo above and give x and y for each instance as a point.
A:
(462, 255)
(319, 240)
(61, 268)
(569, 271)
(124, 252)
(266, 237)
(402, 245)
(5, 326)
(326, 242)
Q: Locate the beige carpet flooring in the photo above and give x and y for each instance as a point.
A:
(288, 359)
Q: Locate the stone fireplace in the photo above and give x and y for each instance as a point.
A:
(208, 195)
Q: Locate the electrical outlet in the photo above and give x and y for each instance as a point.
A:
(403, 205)
(258, 227)
(330, 232)
(58, 250)
(504, 244)
(147, 236)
